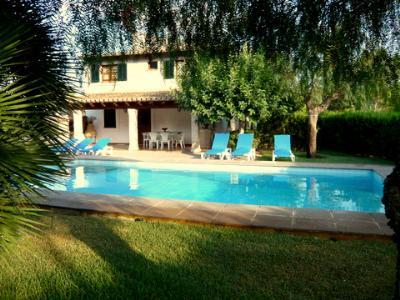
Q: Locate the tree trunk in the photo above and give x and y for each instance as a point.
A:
(313, 113)
(312, 133)
(242, 126)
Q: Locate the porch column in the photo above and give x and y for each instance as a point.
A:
(195, 135)
(78, 124)
(133, 129)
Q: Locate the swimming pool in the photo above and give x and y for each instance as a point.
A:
(334, 189)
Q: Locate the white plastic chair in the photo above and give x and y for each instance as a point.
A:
(153, 140)
(146, 140)
(165, 139)
(180, 140)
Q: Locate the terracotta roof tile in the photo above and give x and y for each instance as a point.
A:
(128, 97)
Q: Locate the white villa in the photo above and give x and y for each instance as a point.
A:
(129, 96)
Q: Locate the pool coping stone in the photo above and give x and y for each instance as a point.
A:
(382, 169)
(242, 215)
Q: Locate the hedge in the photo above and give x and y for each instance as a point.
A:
(360, 133)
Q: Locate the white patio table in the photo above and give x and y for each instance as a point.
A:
(160, 139)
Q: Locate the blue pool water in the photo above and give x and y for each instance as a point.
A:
(337, 189)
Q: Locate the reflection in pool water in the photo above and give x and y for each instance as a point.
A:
(354, 190)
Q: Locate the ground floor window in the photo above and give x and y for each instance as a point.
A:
(110, 120)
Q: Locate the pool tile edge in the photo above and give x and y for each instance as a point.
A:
(268, 217)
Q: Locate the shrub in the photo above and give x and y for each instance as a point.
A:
(391, 200)
(361, 133)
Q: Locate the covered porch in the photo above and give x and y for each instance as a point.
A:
(125, 117)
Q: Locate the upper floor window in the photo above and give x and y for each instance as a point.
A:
(109, 73)
(153, 65)
(168, 69)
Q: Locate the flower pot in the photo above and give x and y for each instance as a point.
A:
(205, 136)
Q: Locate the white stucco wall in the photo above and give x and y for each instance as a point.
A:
(119, 134)
(172, 119)
(139, 79)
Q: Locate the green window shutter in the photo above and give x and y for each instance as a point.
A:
(94, 73)
(122, 74)
(168, 69)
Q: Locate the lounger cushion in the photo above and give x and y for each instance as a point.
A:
(214, 151)
(241, 152)
(283, 153)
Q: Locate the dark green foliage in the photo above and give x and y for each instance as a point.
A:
(304, 27)
(294, 124)
(34, 94)
(233, 137)
(391, 200)
(246, 86)
(361, 133)
(376, 83)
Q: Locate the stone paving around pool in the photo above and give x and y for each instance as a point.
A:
(179, 157)
(253, 216)
(273, 217)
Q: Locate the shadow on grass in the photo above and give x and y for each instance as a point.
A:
(132, 276)
(171, 261)
(200, 275)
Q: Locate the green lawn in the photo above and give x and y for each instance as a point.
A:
(329, 157)
(93, 257)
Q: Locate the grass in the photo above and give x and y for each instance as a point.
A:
(329, 157)
(98, 258)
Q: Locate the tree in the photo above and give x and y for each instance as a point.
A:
(246, 86)
(379, 81)
(319, 87)
(259, 87)
(202, 89)
(377, 85)
(34, 93)
(333, 34)
(213, 26)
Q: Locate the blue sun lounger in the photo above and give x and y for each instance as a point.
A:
(244, 147)
(100, 147)
(219, 147)
(82, 145)
(282, 147)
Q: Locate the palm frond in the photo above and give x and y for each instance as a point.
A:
(34, 93)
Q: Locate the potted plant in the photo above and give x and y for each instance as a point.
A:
(205, 132)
